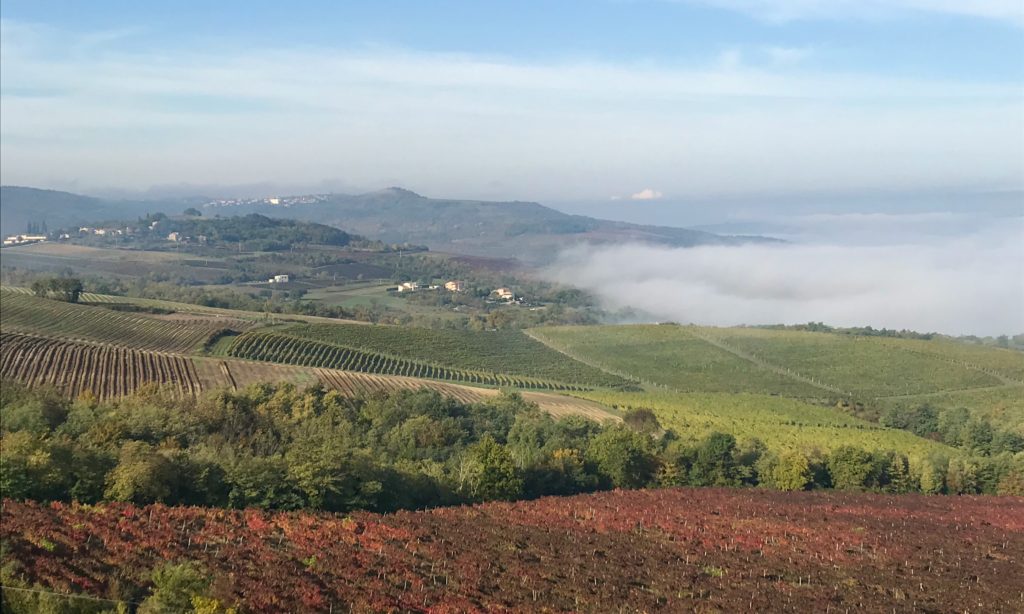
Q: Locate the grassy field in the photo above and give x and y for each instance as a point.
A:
(510, 352)
(779, 422)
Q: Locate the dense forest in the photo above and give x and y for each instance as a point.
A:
(257, 232)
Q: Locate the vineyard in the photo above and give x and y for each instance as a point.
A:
(790, 363)
(672, 550)
(36, 316)
(503, 351)
(110, 372)
(870, 367)
(670, 357)
(106, 371)
(286, 349)
(777, 422)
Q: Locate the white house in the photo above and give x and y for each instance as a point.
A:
(278, 279)
(174, 236)
(408, 286)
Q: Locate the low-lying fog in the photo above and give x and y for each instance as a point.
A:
(952, 273)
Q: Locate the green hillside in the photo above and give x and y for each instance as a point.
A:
(868, 367)
(504, 351)
(789, 363)
(672, 357)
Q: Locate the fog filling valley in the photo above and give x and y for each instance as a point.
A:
(972, 283)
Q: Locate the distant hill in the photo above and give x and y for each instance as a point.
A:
(525, 230)
(20, 205)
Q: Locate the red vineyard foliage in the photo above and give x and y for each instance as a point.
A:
(656, 550)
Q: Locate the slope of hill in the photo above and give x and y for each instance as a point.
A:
(788, 363)
(21, 205)
(673, 550)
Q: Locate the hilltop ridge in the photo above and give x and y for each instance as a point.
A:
(526, 230)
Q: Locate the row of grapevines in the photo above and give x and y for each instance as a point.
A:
(37, 316)
(290, 350)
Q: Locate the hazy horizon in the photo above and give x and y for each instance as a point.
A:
(587, 101)
(883, 140)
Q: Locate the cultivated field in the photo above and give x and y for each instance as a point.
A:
(109, 262)
(671, 357)
(105, 371)
(21, 313)
(109, 372)
(287, 349)
(790, 363)
(869, 367)
(671, 550)
(511, 352)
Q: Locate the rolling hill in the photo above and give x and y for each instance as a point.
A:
(525, 230)
(21, 205)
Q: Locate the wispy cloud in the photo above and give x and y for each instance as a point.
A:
(792, 10)
(454, 123)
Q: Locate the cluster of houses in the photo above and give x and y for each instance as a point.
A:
(275, 201)
(178, 237)
(503, 294)
(23, 239)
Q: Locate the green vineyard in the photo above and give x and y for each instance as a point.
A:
(21, 313)
(272, 347)
(502, 351)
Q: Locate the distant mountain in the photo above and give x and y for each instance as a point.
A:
(528, 231)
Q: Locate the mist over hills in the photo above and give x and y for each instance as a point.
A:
(528, 231)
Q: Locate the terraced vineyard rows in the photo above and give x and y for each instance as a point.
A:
(36, 316)
(106, 371)
(290, 350)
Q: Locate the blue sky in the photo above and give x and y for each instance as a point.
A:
(535, 100)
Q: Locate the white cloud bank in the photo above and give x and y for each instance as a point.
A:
(967, 286)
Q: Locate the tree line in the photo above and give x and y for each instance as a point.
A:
(278, 447)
